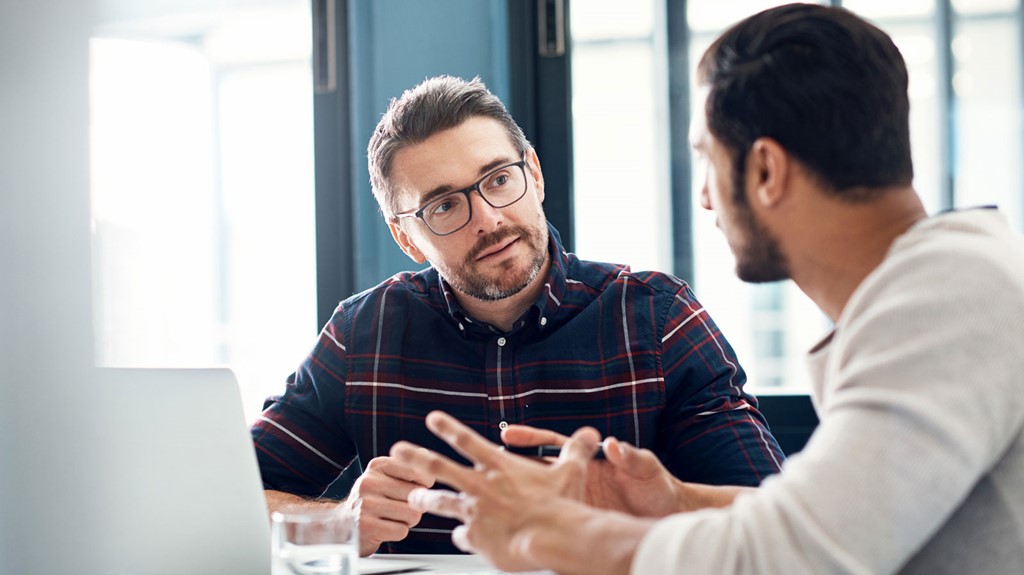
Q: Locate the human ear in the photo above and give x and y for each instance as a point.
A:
(533, 170)
(405, 242)
(768, 167)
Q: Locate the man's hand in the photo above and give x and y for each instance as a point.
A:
(380, 497)
(507, 502)
(630, 480)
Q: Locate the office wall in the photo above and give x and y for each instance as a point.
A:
(45, 330)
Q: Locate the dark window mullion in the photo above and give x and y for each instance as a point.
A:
(681, 178)
(335, 243)
(541, 102)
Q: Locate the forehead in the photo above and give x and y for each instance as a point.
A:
(453, 157)
(700, 138)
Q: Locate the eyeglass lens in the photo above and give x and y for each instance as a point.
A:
(500, 188)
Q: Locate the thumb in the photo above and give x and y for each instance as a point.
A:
(641, 463)
(581, 446)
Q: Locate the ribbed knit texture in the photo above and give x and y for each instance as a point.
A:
(917, 465)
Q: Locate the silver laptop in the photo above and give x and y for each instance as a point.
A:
(181, 490)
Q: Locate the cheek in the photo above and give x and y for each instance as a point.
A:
(720, 188)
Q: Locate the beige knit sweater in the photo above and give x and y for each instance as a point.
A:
(917, 465)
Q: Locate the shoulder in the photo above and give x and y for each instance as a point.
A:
(958, 260)
(946, 304)
(399, 290)
(603, 277)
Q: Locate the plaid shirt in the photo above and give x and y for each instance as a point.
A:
(631, 354)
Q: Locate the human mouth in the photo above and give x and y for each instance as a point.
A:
(497, 249)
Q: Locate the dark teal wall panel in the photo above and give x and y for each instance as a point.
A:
(395, 44)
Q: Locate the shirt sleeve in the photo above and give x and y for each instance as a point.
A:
(712, 432)
(921, 399)
(300, 438)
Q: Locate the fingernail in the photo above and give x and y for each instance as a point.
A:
(415, 496)
(618, 446)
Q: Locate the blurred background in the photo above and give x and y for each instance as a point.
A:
(184, 184)
(205, 198)
(228, 204)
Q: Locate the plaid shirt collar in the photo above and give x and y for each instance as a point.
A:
(544, 310)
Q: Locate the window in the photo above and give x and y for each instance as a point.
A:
(965, 91)
(619, 110)
(202, 190)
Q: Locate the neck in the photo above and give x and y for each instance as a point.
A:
(503, 313)
(840, 243)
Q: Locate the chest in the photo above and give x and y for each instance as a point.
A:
(598, 371)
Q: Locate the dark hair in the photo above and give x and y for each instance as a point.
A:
(436, 104)
(828, 86)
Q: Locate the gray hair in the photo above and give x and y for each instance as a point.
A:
(437, 104)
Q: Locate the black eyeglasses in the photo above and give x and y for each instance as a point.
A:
(453, 211)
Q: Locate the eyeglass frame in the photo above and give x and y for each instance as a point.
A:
(418, 213)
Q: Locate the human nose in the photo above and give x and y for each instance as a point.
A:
(484, 216)
(705, 197)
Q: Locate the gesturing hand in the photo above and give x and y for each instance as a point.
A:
(380, 496)
(629, 480)
(505, 499)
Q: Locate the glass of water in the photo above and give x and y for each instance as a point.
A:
(315, 542)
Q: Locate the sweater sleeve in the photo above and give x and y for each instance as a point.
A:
(920, 400)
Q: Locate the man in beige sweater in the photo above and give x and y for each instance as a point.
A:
(917, 465)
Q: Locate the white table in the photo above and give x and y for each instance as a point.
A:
(436, 564)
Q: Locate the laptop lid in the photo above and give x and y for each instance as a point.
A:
(181, 488)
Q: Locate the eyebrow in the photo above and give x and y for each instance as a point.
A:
(448, 188)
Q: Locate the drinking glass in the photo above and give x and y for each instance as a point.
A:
(315, 542)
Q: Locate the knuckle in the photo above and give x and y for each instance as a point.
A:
(376, 464)
(457, 441)
(435, 466)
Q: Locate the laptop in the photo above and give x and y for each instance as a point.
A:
(181, 490)
(176, 489)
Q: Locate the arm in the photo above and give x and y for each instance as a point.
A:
(302, 447)
(710, 431)
(284, 502)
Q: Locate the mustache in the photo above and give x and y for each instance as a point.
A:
(491, 239)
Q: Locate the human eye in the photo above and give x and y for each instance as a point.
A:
(445, 205)
(498, 180)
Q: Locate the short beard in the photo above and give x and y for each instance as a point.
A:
(479, 287)
(763, 260)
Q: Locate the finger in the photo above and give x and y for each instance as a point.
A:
(581, 447)
(374, 531)
(389, 509)
(460, 537)
(380, 485)
(399, 470)
(629, 459)
(441, 502)
(464, 440)
(434, 464)
(526, 436)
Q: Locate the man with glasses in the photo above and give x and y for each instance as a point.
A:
(503, 328)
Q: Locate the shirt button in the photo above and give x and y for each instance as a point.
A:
(503, 425)
(543, 321)
(462, 327)
(501, 343)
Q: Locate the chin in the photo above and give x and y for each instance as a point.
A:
(761, 272)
